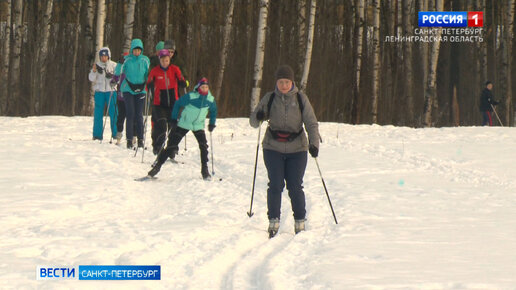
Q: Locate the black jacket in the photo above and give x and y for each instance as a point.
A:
(486, 100)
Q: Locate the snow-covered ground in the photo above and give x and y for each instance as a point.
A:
(417, 209)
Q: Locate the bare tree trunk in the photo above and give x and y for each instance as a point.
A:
(407, 55)
(355, 99)
(88, 30)
(4, 79)
(301, 23)
(99, 42)
(309, 45)
(430, 89)
(41, 58)
(376, 61)
(101, 19)
(507, 61)
(167, 20)
(128, 26)
(75, 54)
(225, 45)
(260, 51)
(14, 70)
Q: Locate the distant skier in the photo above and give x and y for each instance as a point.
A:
(196, 105)
(136, 70)
(120, 105)
(164, 79)
(486, 102)
(156, 134)
(101, 75)
(285, 145)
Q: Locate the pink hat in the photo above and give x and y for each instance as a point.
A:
(164, 52)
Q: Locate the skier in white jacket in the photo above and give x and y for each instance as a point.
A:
(105, 93)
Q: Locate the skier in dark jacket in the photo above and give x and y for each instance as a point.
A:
(487, 102)
(285, 145)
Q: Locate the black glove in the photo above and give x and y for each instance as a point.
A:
(260, 115)
(211, 127)
(109, 75)
(314, 151)
(173, 125)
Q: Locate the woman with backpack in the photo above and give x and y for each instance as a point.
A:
(285, 145)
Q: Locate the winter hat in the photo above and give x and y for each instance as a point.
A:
(169, 44)
(160, 46)
(103, 52)
(203, 81)
(164, 52)
(285, 72)
(488, 83)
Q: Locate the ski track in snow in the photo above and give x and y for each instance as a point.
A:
(417, 208)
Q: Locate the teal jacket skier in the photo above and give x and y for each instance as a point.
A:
(195, 108)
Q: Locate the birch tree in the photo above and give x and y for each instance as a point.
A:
(430, 88)
(225, 45)
(101, 18)
(376, 61)
(14, 69)
(357, 68)
(128, 26)
(4, 79)
(260, 51)
(301, 26)
(309, 45)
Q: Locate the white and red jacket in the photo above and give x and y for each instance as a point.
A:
(165, 84)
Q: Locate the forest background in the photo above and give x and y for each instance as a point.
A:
(340, 55)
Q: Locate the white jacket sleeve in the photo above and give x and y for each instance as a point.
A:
(92, 76)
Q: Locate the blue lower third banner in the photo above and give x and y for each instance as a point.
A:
(112, 272)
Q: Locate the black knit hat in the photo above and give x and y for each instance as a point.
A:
(488, 83)
(285, 72)
(169, 44)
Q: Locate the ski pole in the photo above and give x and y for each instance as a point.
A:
(145, 125)
(325, 189)
(211, 144)
(105, 118)
(496, 115)
(250, 213)
(185, 135)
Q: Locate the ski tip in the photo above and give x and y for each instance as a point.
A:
(148, 177)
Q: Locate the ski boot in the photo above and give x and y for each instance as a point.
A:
(273, 227)
(299, 225)
(118, 138)
(129, 144)
(140, 143)
(155, 169)
(205, 172)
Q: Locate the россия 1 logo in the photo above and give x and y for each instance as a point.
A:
(451, 19)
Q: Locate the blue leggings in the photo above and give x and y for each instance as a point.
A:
(102, 100)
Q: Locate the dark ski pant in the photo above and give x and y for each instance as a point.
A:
(102, 99)
(289, 168)
(173, 145)
(134, 114)
(162, 118)
(121, 116)
(487, 120)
